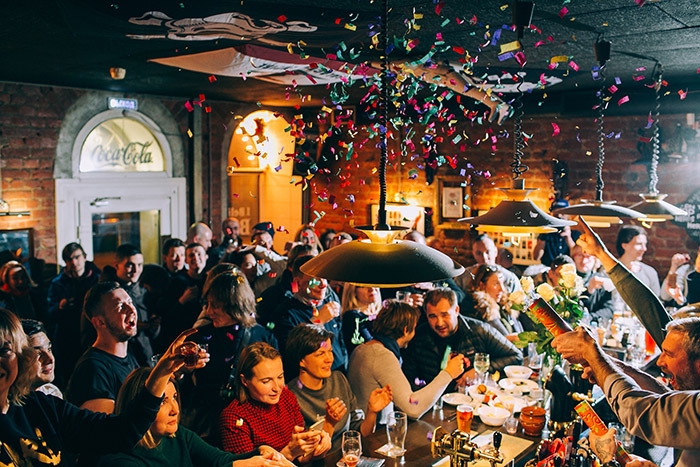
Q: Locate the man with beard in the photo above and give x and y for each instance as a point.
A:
(99, 373)
(648, 409)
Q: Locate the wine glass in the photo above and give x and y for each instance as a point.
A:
(482, 363)
(352, 448)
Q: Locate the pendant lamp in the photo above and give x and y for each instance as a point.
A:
(381, 260)
(653, 206)
(599, 213)
(517, 216)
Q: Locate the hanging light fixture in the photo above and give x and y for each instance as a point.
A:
(517, 216)
(381, 260)
(653, 207)
(599, 213)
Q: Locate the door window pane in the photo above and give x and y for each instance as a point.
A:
(109, 230)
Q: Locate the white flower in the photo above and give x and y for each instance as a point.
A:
(546, 291)
(568, 276)
(518, 297)
(527, 284)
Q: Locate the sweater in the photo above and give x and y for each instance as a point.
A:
(184, 449)
(373, 366)
(44, 427)
(292, 312)
(313, 402)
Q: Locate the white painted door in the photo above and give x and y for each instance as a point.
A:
(101, 214)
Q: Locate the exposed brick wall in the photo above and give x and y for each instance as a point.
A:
(30, 119)
(623, 179)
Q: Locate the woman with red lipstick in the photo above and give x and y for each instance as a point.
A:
(167, 444)
(265, 412)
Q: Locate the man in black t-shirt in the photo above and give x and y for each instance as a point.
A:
(99, 373)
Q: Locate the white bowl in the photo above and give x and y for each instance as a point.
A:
(493, 416)
(518, 371)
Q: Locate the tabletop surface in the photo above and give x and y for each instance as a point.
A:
(417, 443)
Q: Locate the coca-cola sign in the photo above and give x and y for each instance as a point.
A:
(121, 145)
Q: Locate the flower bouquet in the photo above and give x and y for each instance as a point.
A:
(565, 298)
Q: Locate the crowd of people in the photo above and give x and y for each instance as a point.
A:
(278, 351)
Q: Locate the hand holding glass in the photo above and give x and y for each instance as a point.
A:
(352, 448)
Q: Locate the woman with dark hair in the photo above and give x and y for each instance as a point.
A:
(36, 429)
(265, 411)
(490, 301)
(631, 245)
(359, 307)
(19, 293)
(377, 364)
(230, 305)
(323, 394)
(167, 444)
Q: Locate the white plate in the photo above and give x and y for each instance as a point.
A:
(456, 398)
(524, 385)
(502, 401)
(472, 390)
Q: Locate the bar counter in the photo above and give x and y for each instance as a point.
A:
(417, 444)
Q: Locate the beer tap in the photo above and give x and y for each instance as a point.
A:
(461, 450)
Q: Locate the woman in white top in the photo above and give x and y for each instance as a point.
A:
(631, 246)
(377, 364)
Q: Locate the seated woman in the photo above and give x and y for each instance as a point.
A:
(169, 445)
(376, 364)
(359, 307)
(38, 429)
(326, 395)
(265, 412)
(230, 305)
(490, 301)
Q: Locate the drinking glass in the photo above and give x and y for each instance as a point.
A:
(352, 448)
(396, 433)
(482, 363)
(534, 360)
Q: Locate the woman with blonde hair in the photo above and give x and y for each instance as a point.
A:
(490, 301)
(167, 444)
(306, 235)
(359, 307)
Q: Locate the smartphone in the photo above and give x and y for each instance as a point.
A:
(318, 426)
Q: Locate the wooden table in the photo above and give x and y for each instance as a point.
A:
(417, 443)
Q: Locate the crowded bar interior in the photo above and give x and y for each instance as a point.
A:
(350, 232)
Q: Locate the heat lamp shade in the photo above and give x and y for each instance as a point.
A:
(655, 209)
(600, 213)
(394, 264)
(517, 217)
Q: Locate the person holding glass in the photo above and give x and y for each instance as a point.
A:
(265, 412)
(323, 394)
(377, 364)
(446, 333)
(37, 426)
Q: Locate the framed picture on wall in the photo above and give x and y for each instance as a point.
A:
(453, 194)
(17, 242)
